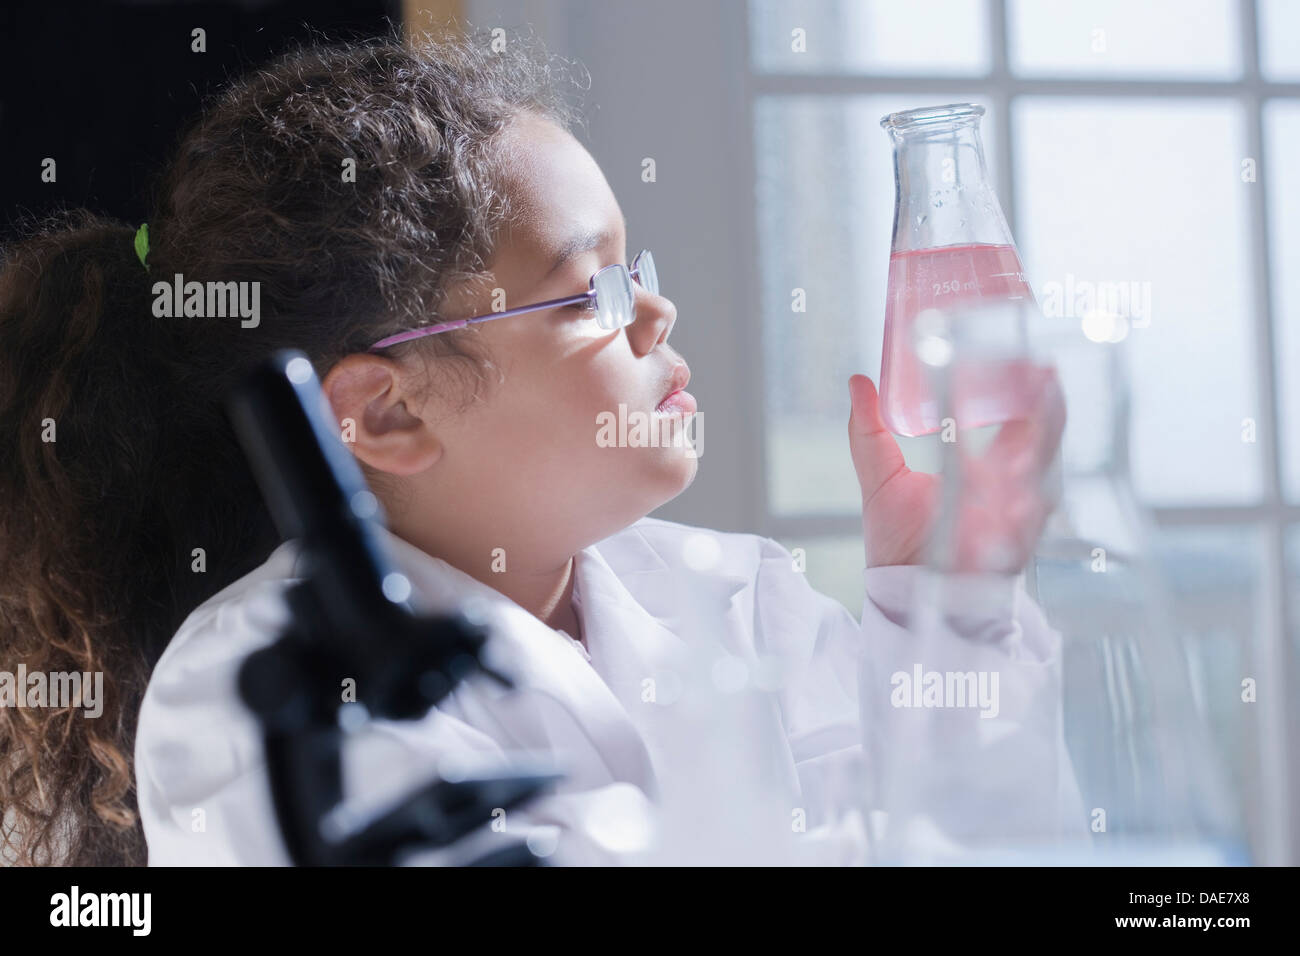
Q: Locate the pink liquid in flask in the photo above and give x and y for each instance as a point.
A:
(943, 278)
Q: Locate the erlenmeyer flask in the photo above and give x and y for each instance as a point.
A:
(951, 245)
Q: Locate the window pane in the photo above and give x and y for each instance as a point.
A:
(825, 197)
(1164, 38)
(1279, 39)
(943, 37)
(1293, 629)
(1144, 199)
(1282, 145)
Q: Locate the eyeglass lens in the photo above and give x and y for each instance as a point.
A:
(616, 296)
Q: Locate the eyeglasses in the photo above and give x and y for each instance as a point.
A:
(610, 293)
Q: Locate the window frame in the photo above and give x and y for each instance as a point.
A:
(1271, 653)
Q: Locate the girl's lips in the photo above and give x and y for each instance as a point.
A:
(680, 402)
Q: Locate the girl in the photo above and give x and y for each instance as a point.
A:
(371, 190)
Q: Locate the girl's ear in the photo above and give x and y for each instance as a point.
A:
(373, 404)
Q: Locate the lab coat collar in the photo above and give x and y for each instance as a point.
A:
(542, 662)
(626, 642)
(652, 624)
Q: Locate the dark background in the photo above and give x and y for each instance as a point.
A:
(105, 88)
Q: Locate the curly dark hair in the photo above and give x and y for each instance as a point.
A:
(98, 527)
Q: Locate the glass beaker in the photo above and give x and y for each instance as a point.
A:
(1154, 781)
(951, 245)
(1093, 749)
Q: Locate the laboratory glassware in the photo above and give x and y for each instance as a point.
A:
(951, 245)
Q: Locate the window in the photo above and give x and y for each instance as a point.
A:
(1130, 142)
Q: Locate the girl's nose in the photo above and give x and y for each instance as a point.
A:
(655, 317)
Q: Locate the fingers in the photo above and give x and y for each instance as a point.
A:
(1006, 499)
(1029, 444)
(996, 537)
(876, 455)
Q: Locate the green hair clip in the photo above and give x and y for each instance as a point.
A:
(142, 244)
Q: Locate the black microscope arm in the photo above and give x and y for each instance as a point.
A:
(350, 626)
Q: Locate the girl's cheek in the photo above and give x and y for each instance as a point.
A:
(587, 329)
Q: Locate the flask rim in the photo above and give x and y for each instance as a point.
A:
(930, 116)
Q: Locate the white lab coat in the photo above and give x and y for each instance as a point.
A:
(717, 719)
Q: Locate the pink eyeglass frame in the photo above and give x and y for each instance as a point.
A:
(633, 273)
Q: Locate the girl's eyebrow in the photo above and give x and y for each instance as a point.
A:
(583, 242)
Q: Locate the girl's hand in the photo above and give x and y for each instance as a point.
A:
(1004, 503)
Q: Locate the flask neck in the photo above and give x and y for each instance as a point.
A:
(943, 196)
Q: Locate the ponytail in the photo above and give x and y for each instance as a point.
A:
(72, 537)
(120, 482)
